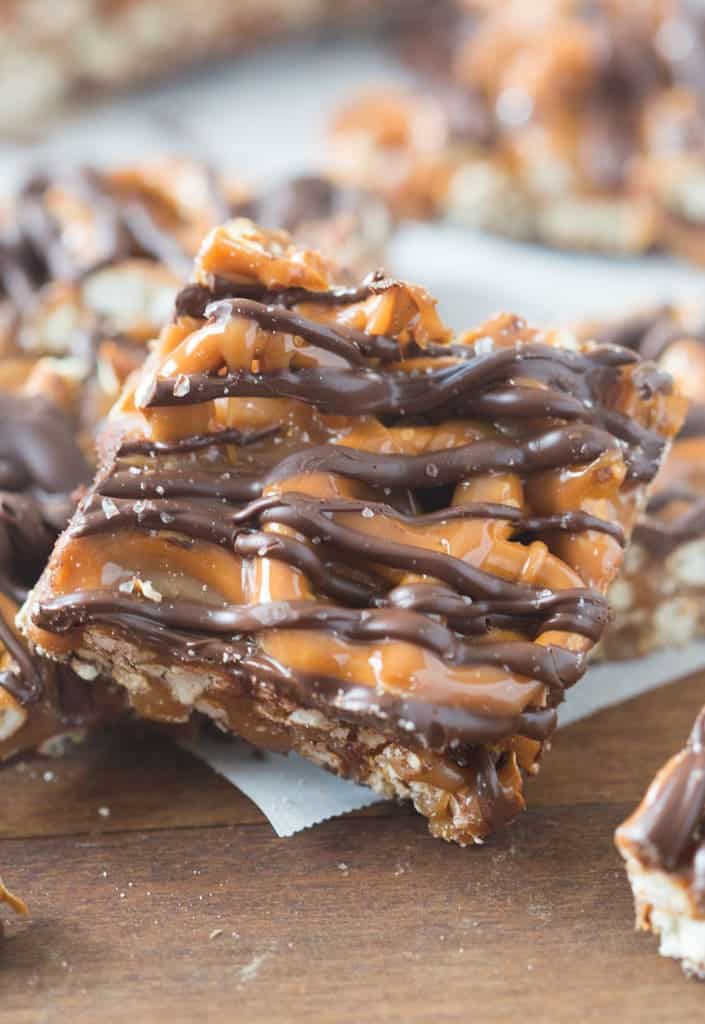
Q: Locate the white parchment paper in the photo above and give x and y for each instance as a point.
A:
(264, 118)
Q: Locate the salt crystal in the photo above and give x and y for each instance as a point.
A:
(182, 386)
(110, 509)
(150, 592)
(484, 345)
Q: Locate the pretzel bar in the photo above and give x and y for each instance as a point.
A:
(578, 125)
(42, 705)
(330, 526)
(54, 61)
(663, 844)
(659, 599)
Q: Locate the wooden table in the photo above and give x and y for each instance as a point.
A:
(182, 906)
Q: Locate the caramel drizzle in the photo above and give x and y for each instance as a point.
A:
(667, 829)
(494, 602)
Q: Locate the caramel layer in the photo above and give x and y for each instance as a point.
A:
(335, 495)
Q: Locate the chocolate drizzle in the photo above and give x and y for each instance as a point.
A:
(573, 383)
(668, 830)
(194, 299)
(573, 424)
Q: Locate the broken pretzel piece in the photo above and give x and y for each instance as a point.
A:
(663, 844)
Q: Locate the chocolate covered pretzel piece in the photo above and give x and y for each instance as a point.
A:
(329, 525)
(663, 844)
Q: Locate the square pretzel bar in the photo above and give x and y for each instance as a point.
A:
(329, 525)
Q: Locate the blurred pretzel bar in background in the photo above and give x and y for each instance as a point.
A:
(330, 526)
(54, 55)
(91, 259)
(581, 125)
(663, 844)
(658, 600)
(42, 705)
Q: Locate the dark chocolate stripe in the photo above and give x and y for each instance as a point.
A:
(394, 392)
(694, 425)
(574, 521)
(455, 390)
(573, 445)
(547, 607)
(455, 727)
(303, 516)
(37, 442)
(494, 598)
(236, 487)
(40, 465)
(194, 299)
(662, 536)
(300, 556)
(463, 389)
(565, 446)
(352, 345)
(124, 227)
(240, 438)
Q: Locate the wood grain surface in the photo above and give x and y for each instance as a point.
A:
(182, 905)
